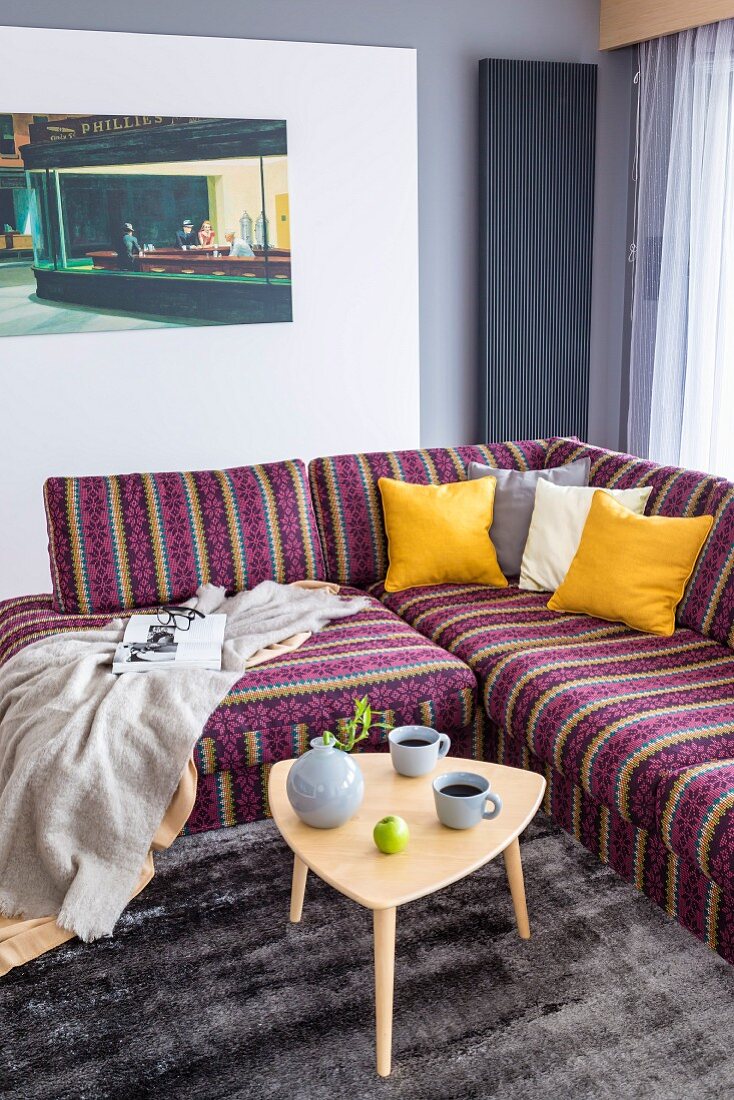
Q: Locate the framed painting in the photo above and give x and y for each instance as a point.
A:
(142, 216)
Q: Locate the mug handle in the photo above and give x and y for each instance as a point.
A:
(496, 802)
(444, 745)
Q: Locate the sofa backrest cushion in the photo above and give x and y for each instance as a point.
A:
(708, 604)
(347, 499)
(137, 540)
(675, 492)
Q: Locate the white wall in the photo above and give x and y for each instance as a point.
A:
(342, 376)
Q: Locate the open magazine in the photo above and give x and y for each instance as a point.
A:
(148, 643)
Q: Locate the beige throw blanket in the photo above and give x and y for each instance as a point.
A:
(90, 761)
(24, 939)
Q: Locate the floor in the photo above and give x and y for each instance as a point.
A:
(206, 990)
(23, 314)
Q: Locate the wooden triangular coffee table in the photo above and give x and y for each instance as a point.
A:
(348, 860)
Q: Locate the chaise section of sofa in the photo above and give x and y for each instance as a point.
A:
(128, 542)
(613, 708)
(275, 709)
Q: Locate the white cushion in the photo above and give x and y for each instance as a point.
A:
(559, 516)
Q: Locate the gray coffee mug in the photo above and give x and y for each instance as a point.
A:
(414, 760)
(463, 810)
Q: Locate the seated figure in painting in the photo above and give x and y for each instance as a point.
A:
(129, 248)
(185, 237)
(238, 246)
(206, 235)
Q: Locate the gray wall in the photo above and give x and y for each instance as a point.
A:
(450, 36)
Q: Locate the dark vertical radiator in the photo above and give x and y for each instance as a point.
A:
(537, 134)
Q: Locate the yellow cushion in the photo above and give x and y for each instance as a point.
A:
(629, 568)
(439, 534)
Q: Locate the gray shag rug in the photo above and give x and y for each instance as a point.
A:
(206, 991)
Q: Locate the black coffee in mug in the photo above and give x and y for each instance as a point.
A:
(461, 790)
(415, 750)
(461, 799)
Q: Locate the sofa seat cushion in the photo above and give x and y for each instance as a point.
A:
(26, 619)
(481, 625)
(695, 809)
(613, 709)
(619, 713)
(274, 710)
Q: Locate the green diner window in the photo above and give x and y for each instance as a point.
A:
(43, 250)
(7, 136)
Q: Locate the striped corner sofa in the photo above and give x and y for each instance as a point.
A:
(634, 733)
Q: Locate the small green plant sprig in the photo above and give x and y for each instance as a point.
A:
(358, 726)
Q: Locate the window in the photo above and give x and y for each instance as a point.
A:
(682, 354)
(7, 136)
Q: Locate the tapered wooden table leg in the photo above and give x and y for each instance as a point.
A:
(384, 926)
(298, 888)
(513, 866)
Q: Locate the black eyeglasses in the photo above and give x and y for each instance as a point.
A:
(180, 617)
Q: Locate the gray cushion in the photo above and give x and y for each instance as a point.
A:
(514, 499)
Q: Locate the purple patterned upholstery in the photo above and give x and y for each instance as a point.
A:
(348, 506)
(136, 540)
(614, 709)
(276, 708)
(618, 714)
(695, 811)
(480, 625)
(673, 880)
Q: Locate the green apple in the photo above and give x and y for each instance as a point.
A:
(391, 835)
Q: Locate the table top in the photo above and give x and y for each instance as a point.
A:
(348, 859)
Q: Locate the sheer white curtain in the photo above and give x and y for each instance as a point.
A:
(682, 354)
